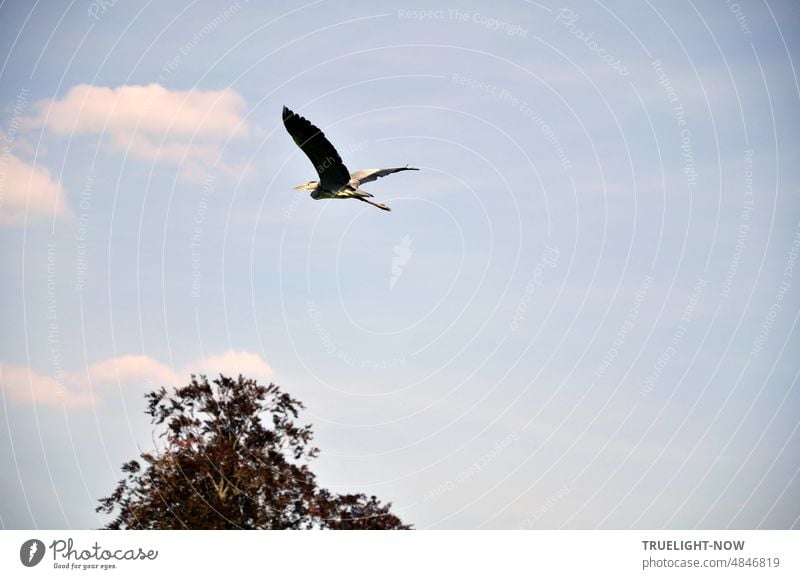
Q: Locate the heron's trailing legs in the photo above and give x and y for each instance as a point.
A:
(378, 205)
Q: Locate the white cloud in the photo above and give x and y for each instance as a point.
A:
(88, 109)
(234, 363)
(74, 389)
(142, 369)
(27, 189)
(22, 384)
(185, 128)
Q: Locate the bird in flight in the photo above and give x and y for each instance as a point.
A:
(335, 181)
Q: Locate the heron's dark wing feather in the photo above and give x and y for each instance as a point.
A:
(367, 175)
(333, 175)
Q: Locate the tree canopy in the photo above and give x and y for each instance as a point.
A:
(233, 457)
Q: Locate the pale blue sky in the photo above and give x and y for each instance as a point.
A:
(581, 312)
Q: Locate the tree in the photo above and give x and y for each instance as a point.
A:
(224, 466)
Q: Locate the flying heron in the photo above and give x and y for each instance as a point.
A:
(335, 181)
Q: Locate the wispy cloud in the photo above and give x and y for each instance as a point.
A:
(22, 384)
(128, 368)
(27, 189)
(153, 123)
(80, 389)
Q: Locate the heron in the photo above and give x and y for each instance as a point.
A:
(335, 181)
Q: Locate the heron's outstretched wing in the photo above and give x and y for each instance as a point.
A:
(367, 175)
(333, 175)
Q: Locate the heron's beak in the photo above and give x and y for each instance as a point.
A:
(299, 187)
